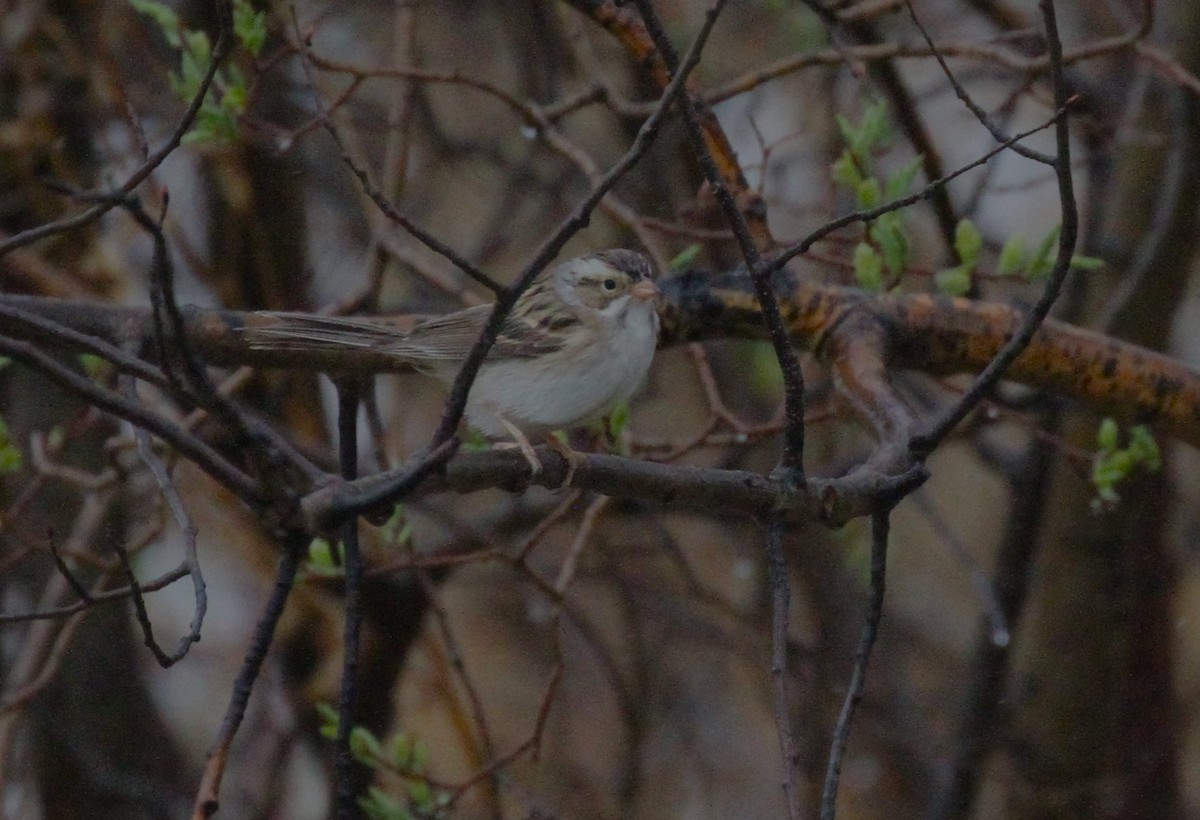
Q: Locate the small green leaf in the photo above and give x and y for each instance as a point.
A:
(398, 530)
(1121, 463)
(249, 26)
(191, 75)
(1012, 256)
(867, 193)
(215, 124)
(968, 243)
(873, 130)
(420, 758)
(888, 233)
(320, 554)
(1111, 465)
(1107, 434)
(420, 795)
(400, 751)
(95, 367)
(846, 171)
(1081, 262)
(474, 441)
(1144, 448)
(4, 362)
(329, 720)
(868, 267)
(378, 805)
(237, 94)
(954, 281)
(198, 45)
(849, 132)
(764, 374)
(685, 258)
(365, 747)
(899, 183)
(618, 420)
(161, 14)
(10, 458)
(1042, 261)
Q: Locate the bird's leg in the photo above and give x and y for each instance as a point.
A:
(521, 443)
(573, 458)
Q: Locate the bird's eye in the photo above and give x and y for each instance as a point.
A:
(610, 284)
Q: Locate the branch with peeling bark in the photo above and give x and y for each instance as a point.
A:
(862, 337)
(932, 334)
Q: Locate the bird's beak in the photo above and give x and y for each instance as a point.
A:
(645, 291)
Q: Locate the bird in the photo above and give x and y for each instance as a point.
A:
(578, 342)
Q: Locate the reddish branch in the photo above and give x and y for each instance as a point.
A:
(932, 334)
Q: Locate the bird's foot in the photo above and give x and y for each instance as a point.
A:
(572, 457)
(520, 442)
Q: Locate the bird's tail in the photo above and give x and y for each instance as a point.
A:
(309, 332)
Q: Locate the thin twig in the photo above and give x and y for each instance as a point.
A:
(220, 51)
(587, 524)
(459, 665)
(797, 248)
(791, 461)
(880, 523)
(75, 584)
(108, 596)
(972, 106)
(208, 459)
(777, 580)
(187, 529)
(58, 332)
(924, 443)
(377, 196)
(206, 803)
(457, 399)
(143, 615)
(347, 799)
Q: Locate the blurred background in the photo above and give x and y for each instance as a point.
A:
(561, 654)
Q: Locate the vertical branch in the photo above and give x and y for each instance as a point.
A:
(880, 524)
(206, 803)
(923, 444)
(349, 391)
(791, 461)
(576, 221)
(777, 578)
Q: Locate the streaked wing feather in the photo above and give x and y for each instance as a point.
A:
(305, 331)
(442, 338)
(446, 338)
(522, 339)
(451, 337)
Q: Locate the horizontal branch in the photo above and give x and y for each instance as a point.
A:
(731, 492)
(928, 333)
(942, 335)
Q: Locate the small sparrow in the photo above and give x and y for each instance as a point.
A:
(578, 342)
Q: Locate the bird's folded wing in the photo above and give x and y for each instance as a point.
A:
(446, 338)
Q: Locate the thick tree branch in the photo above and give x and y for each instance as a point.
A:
(933, 334)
